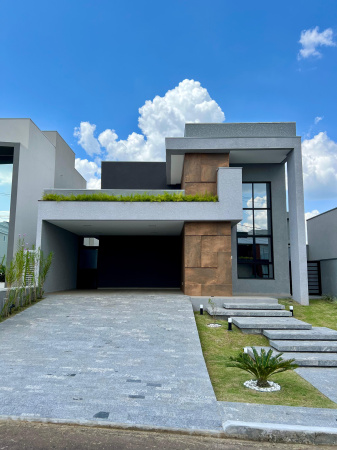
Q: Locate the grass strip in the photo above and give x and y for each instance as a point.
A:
(144, 197)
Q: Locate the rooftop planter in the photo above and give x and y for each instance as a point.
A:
(144, 197)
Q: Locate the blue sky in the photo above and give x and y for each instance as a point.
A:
(98, 62)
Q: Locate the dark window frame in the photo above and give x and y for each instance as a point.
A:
(257, 262)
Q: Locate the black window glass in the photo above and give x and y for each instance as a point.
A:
(254, 233)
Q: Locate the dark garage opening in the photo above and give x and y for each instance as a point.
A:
(139, 262)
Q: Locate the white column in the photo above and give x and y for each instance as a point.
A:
(299, 271)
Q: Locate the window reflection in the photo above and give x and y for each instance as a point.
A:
(254, 233)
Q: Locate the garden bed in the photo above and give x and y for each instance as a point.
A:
(218, 344)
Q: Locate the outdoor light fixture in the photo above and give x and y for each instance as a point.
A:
(230, 320)
(291, 309)
(201, 310)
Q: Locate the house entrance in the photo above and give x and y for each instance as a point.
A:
(139, 262)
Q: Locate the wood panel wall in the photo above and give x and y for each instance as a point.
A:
(207, 264)
(200, 172)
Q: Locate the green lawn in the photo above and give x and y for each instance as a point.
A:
(218, 344)
(319, 313)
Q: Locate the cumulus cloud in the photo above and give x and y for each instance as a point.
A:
(158, 118)
(320, 166)
(313, 213)
(86, 139)
(311, 39)
(90, 171)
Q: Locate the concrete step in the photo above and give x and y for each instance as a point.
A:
(256, 325)
(223, 312)
(316, 333)
(305, 359)
(304, 346)
(236, 299)
(252, 306)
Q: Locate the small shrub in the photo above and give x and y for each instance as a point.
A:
(262, 366)
(213, 309)
(330, 299)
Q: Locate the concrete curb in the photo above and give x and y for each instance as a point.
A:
(250, 431)
(115, 425)
(271, 432)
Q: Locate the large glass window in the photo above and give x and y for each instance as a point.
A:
(254, 233)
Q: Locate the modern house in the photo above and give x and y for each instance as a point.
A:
(322, 251)
(237, 245)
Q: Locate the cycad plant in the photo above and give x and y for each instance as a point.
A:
(262, 366)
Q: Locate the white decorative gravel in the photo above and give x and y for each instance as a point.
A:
(214, 325)
(252, 384)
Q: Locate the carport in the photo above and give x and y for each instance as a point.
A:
(132, 254)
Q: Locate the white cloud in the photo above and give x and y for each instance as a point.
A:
(311, 39)
(158, 118)
(320, 166)
(90, 171)
(313, 213)
(5, 174)
(318, 119)
(85, 134)
(309, 215)
(4, 216)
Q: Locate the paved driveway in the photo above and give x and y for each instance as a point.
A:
(127, 357)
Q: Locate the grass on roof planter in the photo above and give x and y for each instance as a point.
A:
(97, 197)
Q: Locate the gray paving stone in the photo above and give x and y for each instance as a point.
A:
(323, 378)
(316, 333)
(218, 312)
(252, 306)
(306, 358)
(237, 299)
(138, 344)
(277, 414)
(281, 323)
(304, 346)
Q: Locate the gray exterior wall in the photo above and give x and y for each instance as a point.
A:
(322, 241)
(329, 277)
(218, 130)
(66, 176)
(322, 236)
(275, 174)
(64, 245)
(37, 162)
(33, 170)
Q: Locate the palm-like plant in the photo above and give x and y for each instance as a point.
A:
(262, 366)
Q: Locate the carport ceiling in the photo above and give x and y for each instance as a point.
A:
(120, 228)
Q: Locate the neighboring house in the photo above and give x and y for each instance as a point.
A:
(235, 246)
(41, 159)
(3, 239)
(322, 243)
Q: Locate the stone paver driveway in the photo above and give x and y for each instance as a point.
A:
(121, 357)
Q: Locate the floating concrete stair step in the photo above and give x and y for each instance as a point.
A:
(316, 333)
(247, 312)
(304, 359)
(255, 325)
(244, 300)
(303, 346)
(252, 306)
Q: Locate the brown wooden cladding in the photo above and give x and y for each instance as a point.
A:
(207, 261)
(200, 172)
